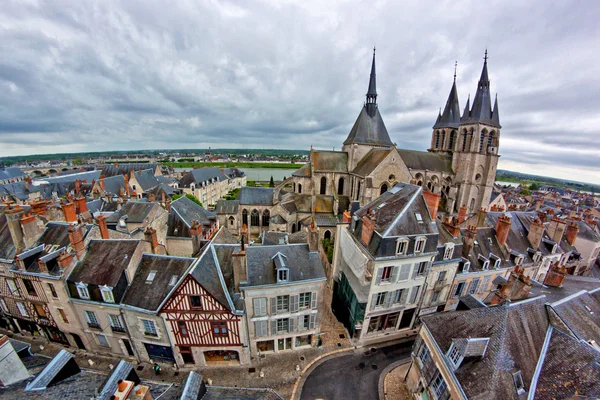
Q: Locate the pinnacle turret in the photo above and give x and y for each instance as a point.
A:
(372, 91)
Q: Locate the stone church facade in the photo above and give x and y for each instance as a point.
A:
(459, 168)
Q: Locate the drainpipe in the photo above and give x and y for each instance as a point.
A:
(131, 342)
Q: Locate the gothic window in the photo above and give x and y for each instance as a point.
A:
(472, 204)
(299, 226)
(437, 139)
(265, 218)
(358, 191)
(323, 185)
(255, 218)
(299, 188)
(231, 221)
(327, 234)
(384, 188)
(245, 217)
(341, 186)
(293, 228)
(481, 141)
(451, 141)
(464, 143)
(429, 186)
(490, 141)
(443, 139)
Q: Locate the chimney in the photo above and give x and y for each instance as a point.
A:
(65, 259)
(163, 197)
(76, 239)
(81, 205)
(542, 216)
(150, 236)
(30, 229)
(69, 211)
(77, 186)
(556, 228)
(571, 233)
(556, 276)
(194, 229)
(462, 214)
(368, 225)
(20, 264)
(127, 188)
(538, 204)
(481, 214)
(240, 267)
(433, 202)
(244, 235)
(39, 207)
(42, 266)
(151, 197)
(469, 240)
(101, 220)
(346, 217)
(451, 225)
(536, 231)
(502, 229)
(313, 238)
(102, 184)
(13, 218)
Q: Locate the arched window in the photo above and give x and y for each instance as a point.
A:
(341, 186)
(245, 217)
(464, 143)
(327, 234)
(384, 188)
(443, 141)
(472, 204)
(323, 185)
(437, 139)
(294, 186)
(231, 221)
(358, 191)
(429, 186)
(299, 188)
(392, 178)
(293, 228)
(299, 226)
(491, 138)
(265, 218)
(451, 141)
(255, 218)
(481, 141)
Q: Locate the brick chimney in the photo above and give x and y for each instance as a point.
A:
(481, 214)
(69, 211)
(346, 217)
(65, 259)
(313, 238)
(42, 266)
(433, 202)
(13, 218)
(556, 276)
(76, 239)
(102, 184)
(462, 214)
(536, 231)
(571, 233)
(151, 197)
(502, 229)
(77, 186)
(556, 228)
(469, 240)
(517, 288)
(31, 230)
(240, 266)
(80, 205)
(39, 207)
(368, 225)
(451, 225)
(195, 229)
(150, 236)
(20, 264)
(168, 205)
(101, 220)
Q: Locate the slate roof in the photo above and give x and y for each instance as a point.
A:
(155, 291)
(324, 219)
(271, 238)
(136, 212)
(302, 263)
(11, 173)
(233, 172)
(104, 262)
(113, 184)
(482, 103)
(125, 168)
(94, 205)
(88, 176)
(370, 161)
(581, 312)
(196, 389)
(7, 246)
(486, 243)
(330, 161)
(256, 196)
(303, 171)
(451, 116)
(49, 374)
(227, 206)
(199, 175)
(369, 130)
(146, 179)
(422, 160)
(183, 214)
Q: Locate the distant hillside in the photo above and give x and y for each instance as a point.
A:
(511, 176)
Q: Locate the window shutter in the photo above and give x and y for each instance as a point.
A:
(263, 306)
(404, 271)
(312, 320)
(414, 294)
(258, 329)
(294, 303)
(388, 299)
(403, 296)
(313, 300)
(373, 301)
(415, 270)
(274, 327)
(379, 275)
(256, 306)
(291, 324)
(273, 305)
(395, 272)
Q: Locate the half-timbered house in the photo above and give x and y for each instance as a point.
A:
(205, 317)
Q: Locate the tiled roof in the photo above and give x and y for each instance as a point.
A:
(370, 161)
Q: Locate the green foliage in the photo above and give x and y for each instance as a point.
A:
(328, 247)
(271, 182)
(232, 165)
(525, 192)
(232, 195)
(534, 186)
(189, 196)
(77, 161)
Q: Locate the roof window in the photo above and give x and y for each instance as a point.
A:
(151, 276)
(418, 217)
(173, 280)
(519, 384)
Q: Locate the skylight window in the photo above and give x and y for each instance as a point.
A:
(173, 280)
(151, 276)
(418, 217)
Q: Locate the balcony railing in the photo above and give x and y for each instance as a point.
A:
(118, 329)
(93, 325)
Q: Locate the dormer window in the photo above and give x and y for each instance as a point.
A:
(82, 290)
(497, 263)
(418, 217)
(455, 356)
(554, 248)
(537, 256)
(486, 265)
(519, 260)
(420, 244)
(282, 275)
(283, 272)
(107, 294)
(466, 267)
(519, 384)
(193, 187)
(401, 246)
(448, 251)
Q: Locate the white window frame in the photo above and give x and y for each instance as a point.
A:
(88, 317)
(281, 301)
(424, 355)
(82, 290)
(379, 296)
(486, 265)
(283, 322)
(281, 271)
(497, 263)
(466, 267)
(115, 321)
(3, 306)
(454, 356)
(173, 280)
(438, 385)
(519, 383)
(420, 244)
(401, 246)
(12, 287)
(98, 335)
(259, 305)
(448, 251)
(304, 304)
(107, 294)
(22, 309)
(148, 323)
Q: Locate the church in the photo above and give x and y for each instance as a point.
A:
(458, 169)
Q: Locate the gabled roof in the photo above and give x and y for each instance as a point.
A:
(7, 246)
(196, 389)
(256, 196)
(168, 269)
(423, 160)
(183, 214)
(62, 366)
(125, 169)
(581, 312)
(146, 179)
(370, 161)
(10, 173)
(330, 161)
(114, 184)
(123, 371)
(369, 130)
(200, 175)
(136, 212)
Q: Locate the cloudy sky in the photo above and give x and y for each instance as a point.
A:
(110, 75)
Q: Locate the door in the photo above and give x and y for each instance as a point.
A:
(128, 347)
(78, 341)
(160, 353)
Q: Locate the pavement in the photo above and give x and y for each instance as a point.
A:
(354, 375)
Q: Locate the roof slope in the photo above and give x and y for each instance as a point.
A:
(256, 196)
(136, 211)
(422, 160)
(200, 175)
(125, 168)
(369, 130)
(183, 214)
(370, 161)
(104, 262)
(451, 116)
(330, 161)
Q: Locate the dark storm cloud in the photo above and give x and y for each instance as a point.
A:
(285, 74)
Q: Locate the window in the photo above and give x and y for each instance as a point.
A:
(486, 265)
(245, 217)
(219, 328)
(497, 263)
(195, 302)
(323, 185)
(420, 245)
(399, 296)
(299, 188)
(454, 355)
(282, 275)
(448, 251)
(63, 315)
(451, 141)
(260, 306)
(107, 294)
(473, 286)
(151, 276)
(414, 294)
(379, 299)
(424, 355)
(418, 216)
(53, 290)
(283, 325)
(3, 305)
(386, 274)
(341, 186)
(438, 385)
(435, 296)
(173, 280)
(304, 301)
(82, 290)
(458, 290)
(422, 268)
(260, 328)
(115, 323)
(22, 309)
(401, 247)
(304, 323)
(441, 276)
(519, 384)
(437, 139)
(12, 287)
(384, 188)
(254, 218)
(91, 319)
(266, 218)
(481, 141)
(149, 327)
(283, 303)
(102, 341)
(466, 267)
(29, 287)
(182, 328)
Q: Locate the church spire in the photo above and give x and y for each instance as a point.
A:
(450, 118)
(482, 103)
(495, 115)
(372, 92)
(466, 112)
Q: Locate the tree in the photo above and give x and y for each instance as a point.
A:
(189, 196)
(77, 161)
(271, 182)
(534, 186)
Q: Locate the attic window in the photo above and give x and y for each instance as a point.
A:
(420, 244)
(150, 277)
(466, 267)
(82, 290)
(173, 280)
(448, 251)
(455, 356)
(282, 275)
(401, 246)
(537, 256)
(519, 385)
(497, 263)
(418, 217)
(107, 294)
(381, 205)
